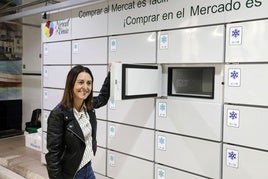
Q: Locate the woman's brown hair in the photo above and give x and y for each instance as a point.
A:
(67, 99)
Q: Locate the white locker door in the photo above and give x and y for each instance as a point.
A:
(129, 81)
(139, 141)
(121, 166)
(247, 42)
(191, 45)
(197, 156)
(246, 84)
(144, 110)
(102, 133)
(57, 53)
(190, 118)
(99, 161)
(89, 51)
(244, 163)
(164, 172)
(55, 76)
(246, 126)
(51, 98)
(137, 48)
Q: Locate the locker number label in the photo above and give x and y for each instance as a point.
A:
(162, 109)
(233, 118)
(75, 47)
(112, 105)
(235, 35)
(112, 160)
(161, 173)
(163, 42)
(112, 131)
(45, 72)
(113, 45)
(232, 158)
(45, 49)
(161, 142)
(234, 77)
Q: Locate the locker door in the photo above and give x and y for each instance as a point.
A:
(129, 81)
(246, 84)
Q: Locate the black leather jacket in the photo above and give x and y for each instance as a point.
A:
(65, 140)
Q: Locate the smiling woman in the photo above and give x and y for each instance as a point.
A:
(72, 126)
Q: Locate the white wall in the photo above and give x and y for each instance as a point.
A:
(31, 60)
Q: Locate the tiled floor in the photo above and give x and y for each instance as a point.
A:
(20, 159)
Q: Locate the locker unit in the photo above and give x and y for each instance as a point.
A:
(246, 41)
(121, 166)
(245, 84)
(55, 76)
(99, 161)
(138, 112)
(131, 140)
(164, 172)
(193, 155)
(51, 97)
(192, 45)
(240, 162)
(192, 118)
(101, 133)
(246, 126)
(56, 53)
(136, 48)
(90, 51)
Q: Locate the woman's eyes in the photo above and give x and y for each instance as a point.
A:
(82, 82)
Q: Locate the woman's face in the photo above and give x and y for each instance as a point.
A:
(82, 87)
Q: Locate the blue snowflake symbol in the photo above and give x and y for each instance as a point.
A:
(232, 155)
(234, 74)
(161, 140)
(233, 115)
(236, 33)
(161, 173)
(112, 129)
(111, 157)
(113, 43)
(164, 39)
(162, 107)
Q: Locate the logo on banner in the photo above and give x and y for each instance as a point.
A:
(61, 27)
(49, 29)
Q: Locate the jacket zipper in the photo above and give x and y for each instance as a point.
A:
(81, 140)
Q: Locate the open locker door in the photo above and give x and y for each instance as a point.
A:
(130, 81)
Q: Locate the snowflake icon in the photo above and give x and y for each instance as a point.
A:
(162, 107)
(233, 115)
(232, 155)
(164, 39)
(113, 42)
(234, 74)
(161, 140)
(236, 33)
(161, 173)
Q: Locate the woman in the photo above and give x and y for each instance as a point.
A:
(72, 127)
